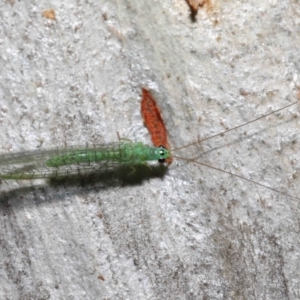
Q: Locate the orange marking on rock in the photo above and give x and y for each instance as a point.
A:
(154, 122)
(49, 14)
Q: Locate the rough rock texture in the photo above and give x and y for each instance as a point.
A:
(195, 233)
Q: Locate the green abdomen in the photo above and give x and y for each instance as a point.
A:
(123, 153)
(80, 157)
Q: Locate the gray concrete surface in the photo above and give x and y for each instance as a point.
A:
(195, 233)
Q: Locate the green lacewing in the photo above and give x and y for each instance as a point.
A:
(101, 158)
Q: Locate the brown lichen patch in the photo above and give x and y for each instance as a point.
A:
(195, 4)
(49, 14)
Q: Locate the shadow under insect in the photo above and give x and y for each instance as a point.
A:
(93, 182)
(124, 175)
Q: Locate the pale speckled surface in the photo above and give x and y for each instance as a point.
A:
(196, 233)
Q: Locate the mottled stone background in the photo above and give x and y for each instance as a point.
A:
(195, 233)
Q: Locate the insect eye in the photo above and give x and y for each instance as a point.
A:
(162, 153)
(162, 150)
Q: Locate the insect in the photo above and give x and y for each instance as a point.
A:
(84, 160)
(153, 121)
(80, 160)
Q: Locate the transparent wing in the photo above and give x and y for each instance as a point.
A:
(33, 164)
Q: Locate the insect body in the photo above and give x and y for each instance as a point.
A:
(56, 163)
(83, 160)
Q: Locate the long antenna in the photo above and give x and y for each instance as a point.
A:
(233, 128)
(238, 176)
